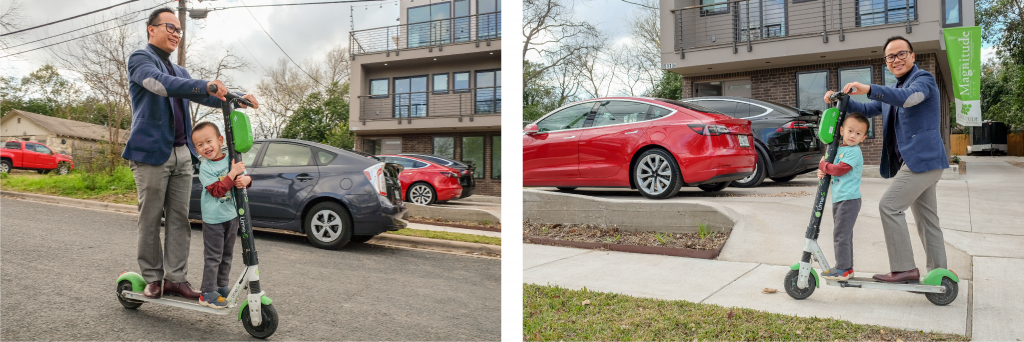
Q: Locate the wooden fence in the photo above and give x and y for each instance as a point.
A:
(958, 144)
(1014, 144)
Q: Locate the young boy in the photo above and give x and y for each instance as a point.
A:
(220, 220)
(846, 172)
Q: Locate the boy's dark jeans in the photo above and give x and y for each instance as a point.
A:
(219, 245)
(844, 214)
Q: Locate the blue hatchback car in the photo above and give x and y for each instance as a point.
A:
(332, 195)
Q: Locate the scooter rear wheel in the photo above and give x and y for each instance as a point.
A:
(267, 326)
(796, 292)
(941, 299)
(126, 285)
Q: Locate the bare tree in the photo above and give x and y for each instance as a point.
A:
(284, 87)
(551, 30)
(596, 72)
(645, 52)
(10, 20)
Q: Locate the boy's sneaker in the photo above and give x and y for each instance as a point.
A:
(837, 274)
(213, 299)
(224, 291)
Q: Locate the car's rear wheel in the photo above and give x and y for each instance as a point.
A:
(328, 225)
(422, 193)
(754, 179)
(783, 179)
(63, 168)
(657, 175)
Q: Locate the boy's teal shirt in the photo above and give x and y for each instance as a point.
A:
(845, 187)
(216, 210)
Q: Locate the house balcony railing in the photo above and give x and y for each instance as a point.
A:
(462, 104)
(428, 34)
(737, 23)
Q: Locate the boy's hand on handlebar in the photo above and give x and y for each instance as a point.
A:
(221, 89)
(242, 181)
(856, 88)
(821, 174)
(255, 104)
(236, 169)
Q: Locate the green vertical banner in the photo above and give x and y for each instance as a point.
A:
(963, 47)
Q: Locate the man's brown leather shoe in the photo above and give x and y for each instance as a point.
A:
(911, 276)
(152, 290)
(183, 289)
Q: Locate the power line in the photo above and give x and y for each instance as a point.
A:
(76, 38)
(282, 49)
(54, 22)
(296, 4)
(641, 5)
(243, 46)
(102, 22)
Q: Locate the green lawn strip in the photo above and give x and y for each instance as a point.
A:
(448, 236)
(552, 313)
(115, 188)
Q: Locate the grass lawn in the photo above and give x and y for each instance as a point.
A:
(552, 313)
(448, 236)
(116, 188)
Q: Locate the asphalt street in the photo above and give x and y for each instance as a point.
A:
(58, 266)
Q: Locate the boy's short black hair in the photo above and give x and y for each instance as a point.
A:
(155, 16)
(855, 116)
(911, 46)
(205, 124)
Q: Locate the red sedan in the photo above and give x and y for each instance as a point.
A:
(653, 145)
(424, 182)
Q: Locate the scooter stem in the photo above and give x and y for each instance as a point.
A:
(240, 194)
(814, 227)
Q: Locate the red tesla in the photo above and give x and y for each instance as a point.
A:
(653, 145)
(424, 182)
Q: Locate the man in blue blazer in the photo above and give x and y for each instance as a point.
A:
(160, 153)
(913, 156)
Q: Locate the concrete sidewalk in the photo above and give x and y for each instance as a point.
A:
(979, 214)
(413, 225)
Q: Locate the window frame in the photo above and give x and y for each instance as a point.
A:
(496, 101)
(387, 92)
(263, 153)
(706, 13)
(469, 81)
(433, 84)
(426, 96)
(871, 72)
(828, 75)
(496, 157)
(945, 12)
(482, 167)
(433, 146)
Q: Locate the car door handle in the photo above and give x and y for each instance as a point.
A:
(632, 132)
(303, 177)
(569, 137)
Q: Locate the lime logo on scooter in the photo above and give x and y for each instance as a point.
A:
(817, 214)
(241, 211)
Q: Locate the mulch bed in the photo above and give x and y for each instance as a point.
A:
(612, 238)
(495, 227)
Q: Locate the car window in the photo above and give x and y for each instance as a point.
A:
(689, 105)
(249, 157)
(620, 112)
(656, 112)
(406, 162)
(324, 157)
(30, 147)
(434, 160)
(13, 145)
(721, 106)
(283, 154)
(569, 118)
(42, 149)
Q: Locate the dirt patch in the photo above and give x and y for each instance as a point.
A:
(1017, 164)
(437, 221)
(614, 235)
(129, 198)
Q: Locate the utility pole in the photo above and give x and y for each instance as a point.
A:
(181, 43)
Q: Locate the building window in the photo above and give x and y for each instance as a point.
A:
(460, 81)
(371, 146)
(860, 74)
(810, 88)
(880, 12)
(711, 10)
(488, 91)
(496, 157)
(489, 21)
(952, 14)
(441, 84)
(460, 33)
(766, 22)
(473, 154)
(411, 97)
(379, 88)
(427, 24)
(445, 147)
(19, 120)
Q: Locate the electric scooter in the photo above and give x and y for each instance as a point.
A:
(939, 285)
(257, 314)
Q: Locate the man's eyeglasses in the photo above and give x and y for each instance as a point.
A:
(901, 55)
(174, 29)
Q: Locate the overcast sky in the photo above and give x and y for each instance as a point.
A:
(304, 32)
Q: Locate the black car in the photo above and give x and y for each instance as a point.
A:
(332, 195)
(784, 136)
(466, 180)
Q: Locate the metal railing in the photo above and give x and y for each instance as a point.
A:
(461, 103)
(473, 28)
(739, 22)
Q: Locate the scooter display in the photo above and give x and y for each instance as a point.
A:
(939, 285)
(256, 312)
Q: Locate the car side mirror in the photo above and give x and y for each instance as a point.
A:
(531, 129)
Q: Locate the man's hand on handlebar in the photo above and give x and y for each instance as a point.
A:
(221, 89)
(856, 88)
(255, 104)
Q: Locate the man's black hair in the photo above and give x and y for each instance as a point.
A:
(855, 115)
(155, 16)
(897, 38)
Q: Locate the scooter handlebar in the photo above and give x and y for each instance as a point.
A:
(230, 96)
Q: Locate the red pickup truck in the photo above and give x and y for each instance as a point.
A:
(33, 156)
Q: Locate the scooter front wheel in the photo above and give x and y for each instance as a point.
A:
(796, 292)
(126, 285)
(267, 326)
(941, 299)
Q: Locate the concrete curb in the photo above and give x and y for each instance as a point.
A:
(642, 215)
(449, 213)
(73, 201)
(426, 243)
(480, 199)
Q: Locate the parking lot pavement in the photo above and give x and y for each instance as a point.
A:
(413, 225)
(60, 264)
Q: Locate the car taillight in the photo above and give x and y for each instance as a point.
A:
(450, 174)
(703, 129)
(375, 174)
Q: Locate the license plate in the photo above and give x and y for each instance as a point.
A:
(744, 142)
